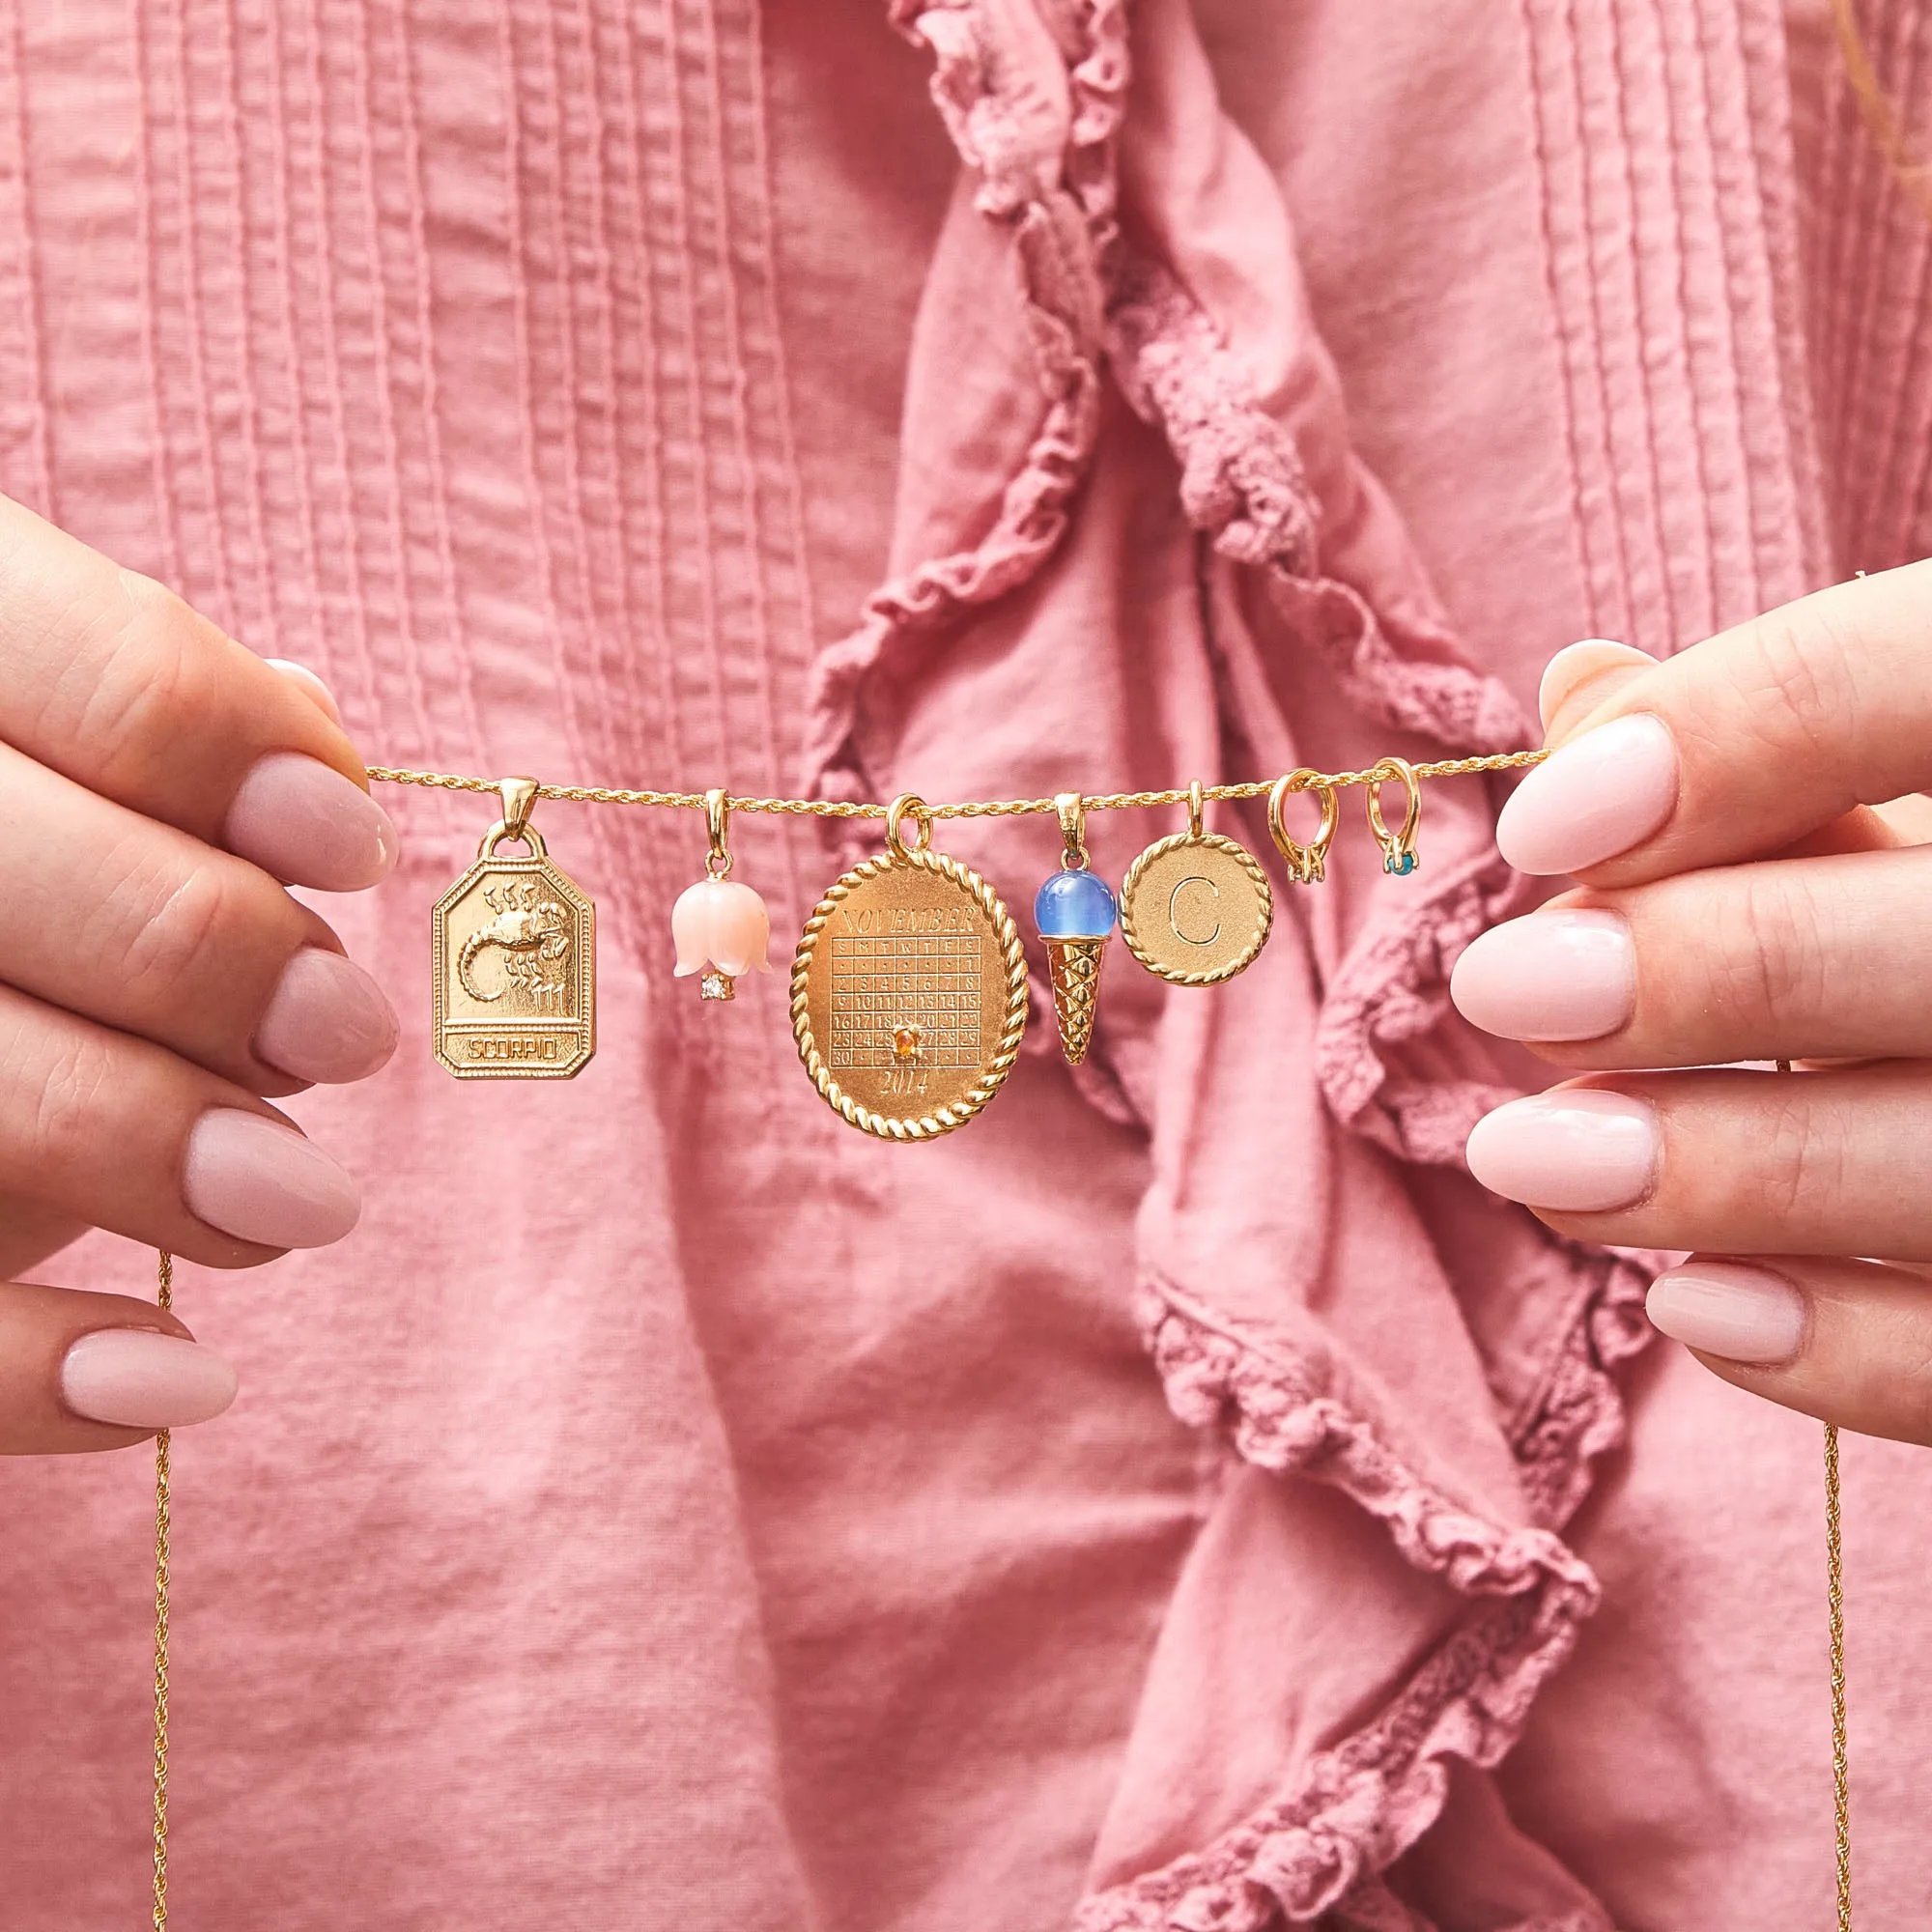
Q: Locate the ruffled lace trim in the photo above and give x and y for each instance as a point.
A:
(1060, 202)
(1243, 484)
(1361, 1804)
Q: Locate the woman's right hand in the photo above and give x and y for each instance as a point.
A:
(160, 784)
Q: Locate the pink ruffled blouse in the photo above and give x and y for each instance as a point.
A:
(1182, 1501)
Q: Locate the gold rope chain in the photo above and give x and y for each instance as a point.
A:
(996, 807)
(991, 809)
(164, 1529)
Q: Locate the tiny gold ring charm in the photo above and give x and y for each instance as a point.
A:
(908, 804)
(1195, 809)
(716, 820)
(1073, 812)
(1398, 847)
(1306, 864)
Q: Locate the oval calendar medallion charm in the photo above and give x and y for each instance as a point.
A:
(515, 976)
(1196, 908)
(909, 990)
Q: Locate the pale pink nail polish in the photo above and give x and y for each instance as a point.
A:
(259, 1180)
(1556, 975)
(326, 1020)
(1575, 663)
(1743, 1314)
(1578, 1150)
(310, 683)
(141, 1379)
(1592, 798)
(304, 822)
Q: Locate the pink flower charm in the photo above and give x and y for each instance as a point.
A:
(721, 929)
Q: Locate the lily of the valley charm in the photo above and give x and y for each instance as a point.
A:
(909, 989)
(721, 928)
(514, 987)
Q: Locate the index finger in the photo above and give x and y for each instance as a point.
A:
(1741, 745)
(114, 682)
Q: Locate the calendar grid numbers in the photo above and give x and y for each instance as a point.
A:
(880, 984)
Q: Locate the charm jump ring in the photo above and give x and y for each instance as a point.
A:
(1398, 847)
(1306, 864)
(519, 796)
(1072, 810)
(908, 801)
(716, 820)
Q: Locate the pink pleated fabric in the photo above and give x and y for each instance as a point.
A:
(1182, 1501)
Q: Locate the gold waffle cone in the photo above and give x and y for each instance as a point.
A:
(1074, 966)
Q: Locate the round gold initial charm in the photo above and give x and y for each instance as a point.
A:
(909, 991)
(1195, 908)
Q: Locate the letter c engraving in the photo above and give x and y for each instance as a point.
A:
(1177, 911)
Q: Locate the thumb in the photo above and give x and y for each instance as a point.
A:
(1582, 678)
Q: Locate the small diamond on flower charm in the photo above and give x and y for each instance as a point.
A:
(1076, 913)
(721, 929)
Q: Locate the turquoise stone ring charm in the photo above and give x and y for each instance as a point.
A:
(1398, 847)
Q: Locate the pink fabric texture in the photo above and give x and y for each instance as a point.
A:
(1183, 1501)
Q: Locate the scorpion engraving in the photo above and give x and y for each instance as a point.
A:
(534, 934)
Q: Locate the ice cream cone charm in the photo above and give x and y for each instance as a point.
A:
(721, 928)
(1076, 913)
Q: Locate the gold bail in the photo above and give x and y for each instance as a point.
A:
(716, 820)
(1072, 828)
(908, 804)
(519, 796)
(1194, 810)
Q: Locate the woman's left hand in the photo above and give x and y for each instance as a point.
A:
(1742, 901)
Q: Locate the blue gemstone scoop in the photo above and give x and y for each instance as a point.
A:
(1074, 904)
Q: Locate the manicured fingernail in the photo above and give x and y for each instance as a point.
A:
(320, 691)
(1556, 975)
(1743, 1314)
(259, 1180)
(1579, 664)
(140, 1380)
(1579, 1150)
(305, 823)
(326, 1020)
(1592, 798)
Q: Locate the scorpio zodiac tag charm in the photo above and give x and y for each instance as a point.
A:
(909, 989)
(1196, 908)
(514, 985)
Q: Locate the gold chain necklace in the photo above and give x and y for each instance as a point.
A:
(1305, 864)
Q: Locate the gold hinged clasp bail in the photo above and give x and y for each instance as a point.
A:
(1072, 810)
(1196, 798)
(518, 795)
(908, 805)
(717, 822)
